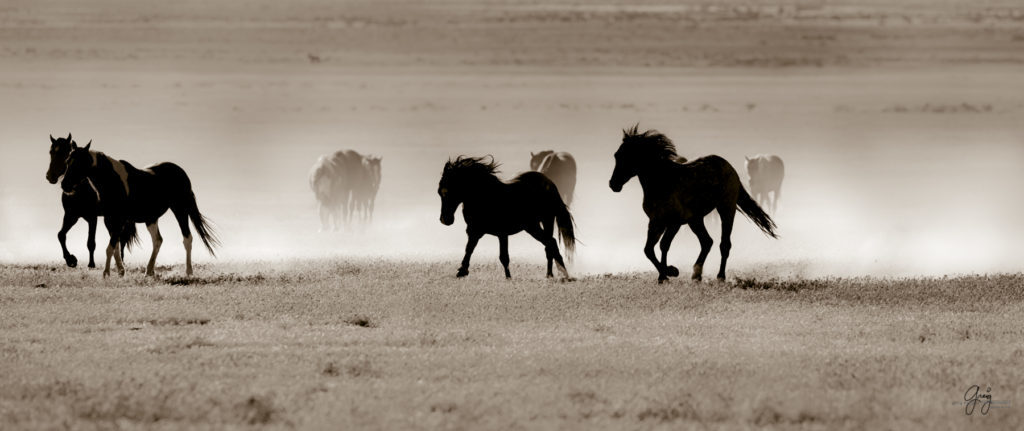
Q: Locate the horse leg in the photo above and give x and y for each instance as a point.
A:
(654, 232)
(325, 216)
(154, 232)
(697, 226)
(550, 249)
(666, 242)
(728, 215)
(549, 231)
(62, 237)
(503, 253)
(474, 237)
(186, 235)
(114, 228)
(91, 242)
(775, 201)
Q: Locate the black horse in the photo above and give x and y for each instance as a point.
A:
(529, 202)
(81, 203)
(683, 193)
(128, 195)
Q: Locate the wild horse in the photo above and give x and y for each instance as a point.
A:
(683, 193)
(82, 203)
(128, 195)
(529, 202)
(560, 168)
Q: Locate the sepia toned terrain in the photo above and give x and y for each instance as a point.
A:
(894, 286)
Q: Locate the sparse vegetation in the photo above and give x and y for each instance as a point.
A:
(608, 351)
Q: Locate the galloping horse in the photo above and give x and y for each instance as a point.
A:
(81, 203)
(683, 193)
(529, 202)
(766, 172)
(128, 195)
(560, 168)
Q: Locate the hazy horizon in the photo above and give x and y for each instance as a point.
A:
(894, 165)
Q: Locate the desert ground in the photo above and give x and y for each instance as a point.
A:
(895, 284)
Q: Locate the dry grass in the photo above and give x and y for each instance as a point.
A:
(387, 345)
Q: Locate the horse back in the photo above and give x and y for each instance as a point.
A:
(768, 169)
(560, 168)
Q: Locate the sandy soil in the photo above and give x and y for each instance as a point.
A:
(900, 124)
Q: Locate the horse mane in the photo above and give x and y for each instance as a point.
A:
(650, 142)
(475, 165)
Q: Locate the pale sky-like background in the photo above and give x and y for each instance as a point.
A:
(901, 123)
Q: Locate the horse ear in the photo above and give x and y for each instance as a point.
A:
(52, 141)
(747, 157)
(88, 145)
(69, 136)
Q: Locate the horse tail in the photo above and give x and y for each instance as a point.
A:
(565, 223)
(130, 236)
(202, 224)
(757, 215)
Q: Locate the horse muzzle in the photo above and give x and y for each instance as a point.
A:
(616, 187)
(447, 220)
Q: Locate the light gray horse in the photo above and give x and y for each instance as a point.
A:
(766, 172)
(560, 168)
(341, 181)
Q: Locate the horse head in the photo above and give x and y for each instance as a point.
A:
(637, 150)
(459, 179)
(60, 149)
(79, 166)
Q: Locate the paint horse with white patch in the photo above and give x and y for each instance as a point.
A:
(128, 195)
(82, 203)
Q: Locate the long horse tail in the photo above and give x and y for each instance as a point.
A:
(757, 215)
(130, 236)
(202, 224)
(566, 231)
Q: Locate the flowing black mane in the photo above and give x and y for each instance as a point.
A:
(475, 165)
(649, 143)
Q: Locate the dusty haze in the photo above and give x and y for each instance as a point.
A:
(901, 126)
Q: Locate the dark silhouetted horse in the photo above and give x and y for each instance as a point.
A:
(342, 183)
(81, 203)
(766, 172)
(560, 168)
(128, 195)
(529, 202)
(683, 193)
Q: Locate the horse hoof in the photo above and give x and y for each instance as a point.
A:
(672, 271)
(462, 273)
(721, 278)
(696, 277)
(72, 261)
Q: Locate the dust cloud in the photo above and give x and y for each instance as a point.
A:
(896, 170)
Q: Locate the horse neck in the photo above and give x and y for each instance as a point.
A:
(102, 175)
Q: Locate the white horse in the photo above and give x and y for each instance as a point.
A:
(766, 172)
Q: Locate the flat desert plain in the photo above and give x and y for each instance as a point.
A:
(895, 285)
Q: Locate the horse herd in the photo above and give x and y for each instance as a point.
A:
(676, 192)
